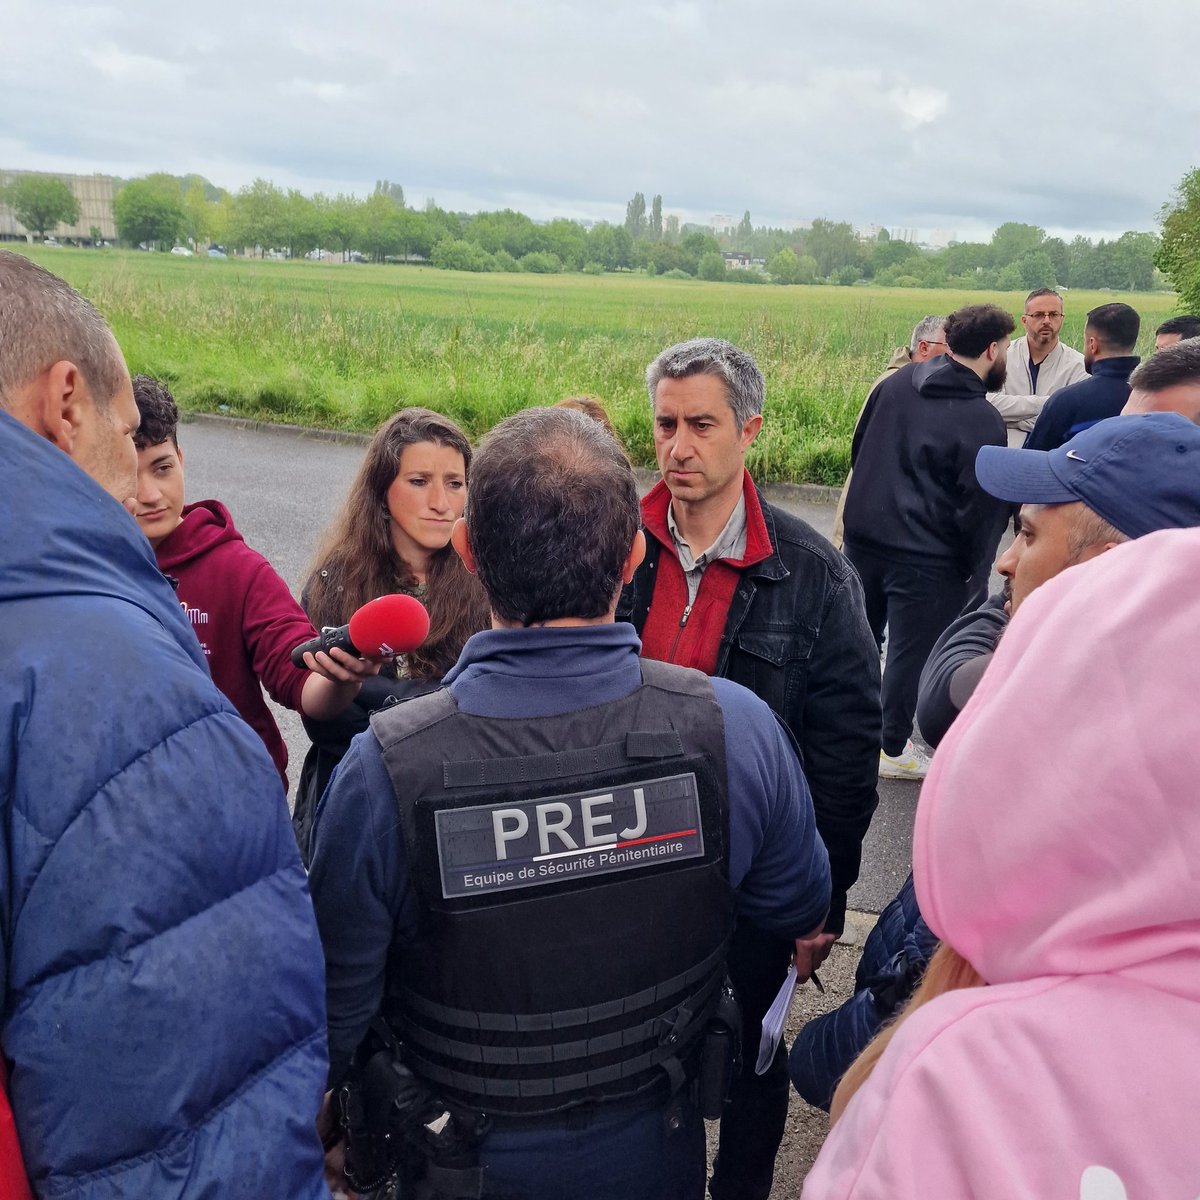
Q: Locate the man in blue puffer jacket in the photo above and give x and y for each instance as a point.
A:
(161, 977)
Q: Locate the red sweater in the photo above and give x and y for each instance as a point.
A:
(242, 612)
(692, 637)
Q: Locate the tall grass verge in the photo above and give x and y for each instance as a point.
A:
(344, 346)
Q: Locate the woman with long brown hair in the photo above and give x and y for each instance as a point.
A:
(393, 535)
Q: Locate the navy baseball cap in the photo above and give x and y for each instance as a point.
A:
(1139, 473)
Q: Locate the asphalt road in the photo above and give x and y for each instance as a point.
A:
(283, 487)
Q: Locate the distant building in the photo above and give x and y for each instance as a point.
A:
(95, 196)
(722, 223)
(736, 261)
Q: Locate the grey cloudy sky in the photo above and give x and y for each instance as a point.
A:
(1077, 115)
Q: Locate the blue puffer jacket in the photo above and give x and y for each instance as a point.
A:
(162, 983)
(893, 960)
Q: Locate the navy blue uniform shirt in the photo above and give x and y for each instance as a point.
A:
(359, 874)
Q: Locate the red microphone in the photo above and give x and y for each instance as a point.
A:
(382, 628)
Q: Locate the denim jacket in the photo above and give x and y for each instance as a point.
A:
(797, 636)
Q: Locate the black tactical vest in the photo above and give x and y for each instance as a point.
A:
(574, 893)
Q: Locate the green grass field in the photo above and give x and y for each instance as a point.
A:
(343, 346)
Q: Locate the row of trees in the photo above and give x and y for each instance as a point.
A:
(161, 210)
(567, 246)
(1017, 256)
(164, 210)
(382, 226)
(1020, 256)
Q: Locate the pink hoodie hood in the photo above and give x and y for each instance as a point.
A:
(1057, 848)
(1058, 832)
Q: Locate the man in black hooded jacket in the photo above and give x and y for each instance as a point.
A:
(918, 525)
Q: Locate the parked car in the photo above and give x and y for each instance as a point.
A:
(182, 251)
(216, 252)
(356, 257)
(50, 241)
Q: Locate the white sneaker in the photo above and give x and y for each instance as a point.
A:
(910, 763)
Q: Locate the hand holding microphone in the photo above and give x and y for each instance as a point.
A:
(382, 628)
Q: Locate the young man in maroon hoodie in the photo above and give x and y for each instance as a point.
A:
(244, 616)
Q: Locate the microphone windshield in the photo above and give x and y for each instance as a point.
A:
(390, 625)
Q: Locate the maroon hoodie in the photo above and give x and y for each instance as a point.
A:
(242, 612)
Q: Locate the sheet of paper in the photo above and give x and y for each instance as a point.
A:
(773, 1022)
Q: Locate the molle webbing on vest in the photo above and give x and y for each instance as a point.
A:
(668, 1034)
(625, 1078)
(540, 1022)
(493, 772)
(577, 967)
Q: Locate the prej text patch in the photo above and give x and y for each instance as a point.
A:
(503, 846)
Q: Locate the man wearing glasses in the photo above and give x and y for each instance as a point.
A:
(1038, 364)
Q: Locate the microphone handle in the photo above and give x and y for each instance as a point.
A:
(329, 637)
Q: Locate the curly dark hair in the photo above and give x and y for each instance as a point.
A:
(160, 413)
(971, 330)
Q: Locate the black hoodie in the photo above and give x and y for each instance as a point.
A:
(913, 494)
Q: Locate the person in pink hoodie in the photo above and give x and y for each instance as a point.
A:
(245, 618)
(1053, 1050)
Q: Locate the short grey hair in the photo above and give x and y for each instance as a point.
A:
(745, 388)
(926, 330)
(43, 321)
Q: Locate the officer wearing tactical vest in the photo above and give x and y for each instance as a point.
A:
(533, 872)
